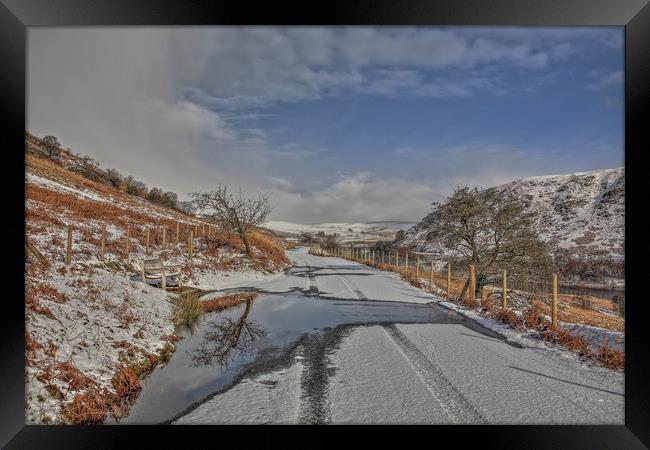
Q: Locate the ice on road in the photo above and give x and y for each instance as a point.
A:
(413, 373)
(328, 277)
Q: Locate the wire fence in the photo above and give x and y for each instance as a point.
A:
(461, 283)
(132, 241)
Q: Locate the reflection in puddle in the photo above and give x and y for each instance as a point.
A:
(223, 343)
(225, 339)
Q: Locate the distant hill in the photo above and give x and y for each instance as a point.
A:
(349, 232)
(584, 211)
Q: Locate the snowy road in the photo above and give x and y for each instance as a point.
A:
(449, 371)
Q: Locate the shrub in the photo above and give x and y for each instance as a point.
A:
(611, 358)
(188, 308)
(567, 340)
(534, 317)
(166, 352)
(510, 318)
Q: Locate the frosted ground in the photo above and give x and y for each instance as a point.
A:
(451, 370)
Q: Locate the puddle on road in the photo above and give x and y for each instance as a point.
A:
(224, 342)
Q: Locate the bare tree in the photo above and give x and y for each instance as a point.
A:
(490, 230)
(52, 146)
(235, 212)
(329, 240)
(226, 338)
(186, 207)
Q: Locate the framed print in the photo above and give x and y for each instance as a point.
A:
(381, 214)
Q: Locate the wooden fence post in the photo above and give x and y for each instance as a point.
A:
(147, 247)
(397, 259)
(164, 235)
(554, 304)
(32, 248)
(102, 244)
(178, 226)
(128, 243)
(505, 290)
(68, 253)
(190, 243)
(449, 282)
(202, 230)
(472, 285)
(431, 278)
(417, 268)
(406, 263)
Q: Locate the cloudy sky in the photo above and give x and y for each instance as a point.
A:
(339, 124)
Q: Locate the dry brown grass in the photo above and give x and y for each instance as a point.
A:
(47, 292)
(534, 316)
(409, 275)
(33, 304)
(54, 391)
(31, 346)
(171, 337)
(509, 318)
(574, 314)
(269, 247)
(75, 379)
(609, 357)
(51, 349)
(566, 339)
(126, 383)
(86, 408)
(227, 301)
(612, 358)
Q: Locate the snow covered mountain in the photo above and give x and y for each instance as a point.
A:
(583, 211)
(349, 232)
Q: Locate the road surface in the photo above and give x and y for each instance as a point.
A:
(446, 372)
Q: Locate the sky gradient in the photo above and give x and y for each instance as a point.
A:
(338, 123)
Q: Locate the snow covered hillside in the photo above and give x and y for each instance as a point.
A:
(349, 232)
(582, 211)
(92, 326)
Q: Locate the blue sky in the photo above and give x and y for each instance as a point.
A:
(340, 124)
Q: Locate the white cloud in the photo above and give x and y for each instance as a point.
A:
(359, 197)
(266, 65)
(606, 79)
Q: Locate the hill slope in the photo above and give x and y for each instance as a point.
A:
(92, 326)
(583, 212)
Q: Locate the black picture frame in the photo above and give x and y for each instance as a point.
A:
(16, 15)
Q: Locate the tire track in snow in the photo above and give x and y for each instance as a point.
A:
(448, 397)
(313, 285)
(354, 289)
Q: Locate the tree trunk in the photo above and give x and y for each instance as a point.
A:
(248, 248)
(465, 286)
